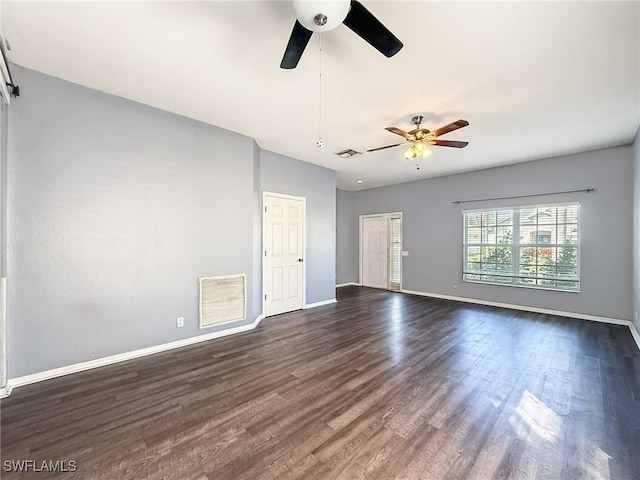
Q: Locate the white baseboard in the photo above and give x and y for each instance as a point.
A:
(319, 304)
(634, 334)
(355, 284)
(524, 308)
(121, 357)
(559, 313)
(100, 362)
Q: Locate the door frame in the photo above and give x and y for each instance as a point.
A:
(263, 255)
(387, 215)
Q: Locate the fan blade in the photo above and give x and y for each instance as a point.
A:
(450, 128)
(297, 43)
(397, 131)
(369, 28)
(448, 143)
(388, 146)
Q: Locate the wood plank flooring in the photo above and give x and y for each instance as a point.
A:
(378, 386)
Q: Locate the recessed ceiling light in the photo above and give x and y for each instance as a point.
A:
(359, 182)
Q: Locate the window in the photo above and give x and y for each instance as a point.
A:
(529, 247)
(395, 258)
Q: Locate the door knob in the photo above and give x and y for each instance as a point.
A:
(300, 260)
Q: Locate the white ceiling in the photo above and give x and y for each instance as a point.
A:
(533, 79)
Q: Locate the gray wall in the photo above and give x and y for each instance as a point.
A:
(114, 211)
(256, 248)
(280, 174)
(636, 230)
(432, 228)
(347, 246)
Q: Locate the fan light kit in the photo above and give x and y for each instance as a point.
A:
(417, 150)
(321, 16)
(421, 138)
(324, 15)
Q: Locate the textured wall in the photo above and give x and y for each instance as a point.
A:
(115, 209)
(433, 228)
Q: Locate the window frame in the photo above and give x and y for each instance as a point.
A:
(394, 286)
(516, 246)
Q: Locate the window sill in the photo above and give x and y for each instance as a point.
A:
(530, 287)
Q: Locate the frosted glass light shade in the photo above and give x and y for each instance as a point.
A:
(426, 153)
(335, 11)
(419, 147)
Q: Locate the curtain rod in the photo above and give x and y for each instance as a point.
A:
(587, 190)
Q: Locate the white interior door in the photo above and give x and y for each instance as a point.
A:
(284, 224)
(375, 260)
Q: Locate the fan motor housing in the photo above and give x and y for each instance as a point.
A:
(420, 134)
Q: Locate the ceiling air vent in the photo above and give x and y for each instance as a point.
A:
(347, 153)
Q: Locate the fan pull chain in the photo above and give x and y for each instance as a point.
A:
(320, 142)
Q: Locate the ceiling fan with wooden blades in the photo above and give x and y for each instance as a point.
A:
(321, 16)
(420, 138)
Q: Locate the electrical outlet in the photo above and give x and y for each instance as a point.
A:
(180, 322)
(455, 286)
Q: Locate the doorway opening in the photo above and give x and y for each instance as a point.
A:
(381, 251)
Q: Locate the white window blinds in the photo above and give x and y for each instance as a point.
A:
(395, 257)
(534, 247)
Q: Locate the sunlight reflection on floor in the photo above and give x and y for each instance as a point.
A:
(397, 332)
(532, 417)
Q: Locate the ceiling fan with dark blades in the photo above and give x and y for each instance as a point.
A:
(419, 138)
(317, 16)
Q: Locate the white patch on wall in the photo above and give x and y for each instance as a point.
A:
(222, 299)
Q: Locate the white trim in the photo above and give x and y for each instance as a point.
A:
(559, 313)
(582, 316)
(516, 234)
(281, 195)
(265, 194)
(5, 391)
(121, 357)
(634, 334)
(360, 243)
(355, 284)
(319, 304)
(100, 362)
(4, 79)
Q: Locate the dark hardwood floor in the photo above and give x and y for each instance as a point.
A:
(380, 385)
